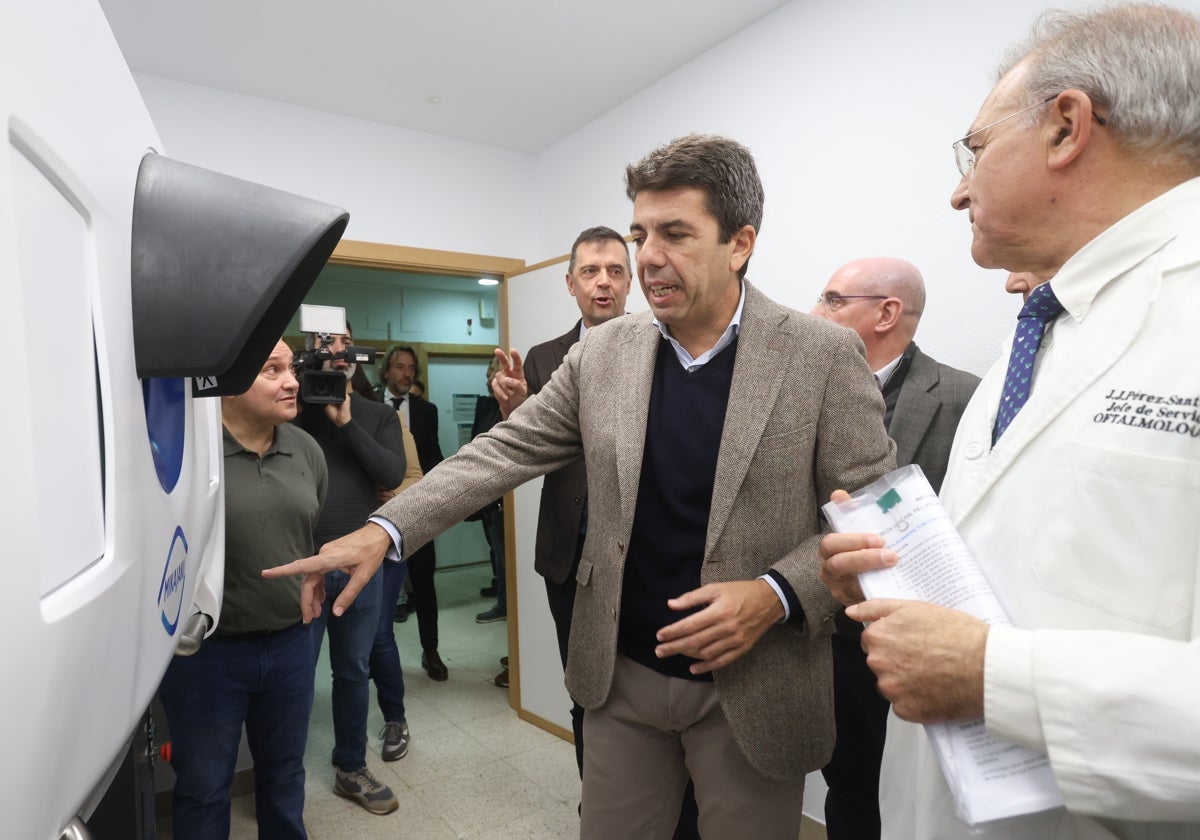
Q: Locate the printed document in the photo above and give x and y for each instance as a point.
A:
(990, 779)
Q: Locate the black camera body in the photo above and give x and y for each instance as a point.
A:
(326, 387)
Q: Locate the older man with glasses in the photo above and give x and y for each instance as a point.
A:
(1075, 475)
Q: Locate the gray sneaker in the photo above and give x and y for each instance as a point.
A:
(366, 790)
(395, 740)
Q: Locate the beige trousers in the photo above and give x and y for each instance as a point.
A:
(640, 748)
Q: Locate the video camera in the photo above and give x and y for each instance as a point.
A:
(325, 387)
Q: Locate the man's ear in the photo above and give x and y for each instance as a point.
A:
(742, 243)
(1068, 128)
(570, 284)
(889, 314)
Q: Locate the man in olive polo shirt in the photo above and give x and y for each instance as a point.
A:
(256, 668)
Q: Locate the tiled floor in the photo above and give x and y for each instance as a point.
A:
(474, 770)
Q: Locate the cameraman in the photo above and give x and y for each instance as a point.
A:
(364, 449)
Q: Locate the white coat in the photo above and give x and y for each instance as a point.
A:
(1085, 516)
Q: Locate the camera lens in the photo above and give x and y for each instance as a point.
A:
(319, 387)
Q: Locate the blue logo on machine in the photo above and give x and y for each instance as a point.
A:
(170, 591)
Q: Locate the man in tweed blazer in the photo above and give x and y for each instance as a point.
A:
(882, 300)
(765, 448)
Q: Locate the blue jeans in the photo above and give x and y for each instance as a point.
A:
(264, 681)
(493, 532)
(385, 656)
(350, 637)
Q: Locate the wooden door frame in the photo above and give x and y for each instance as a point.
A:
(376, 255)
(428, 261)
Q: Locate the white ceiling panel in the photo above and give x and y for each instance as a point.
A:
(519, 75)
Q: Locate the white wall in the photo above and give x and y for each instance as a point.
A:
(540, 310)
(850, 108)
(401, 187)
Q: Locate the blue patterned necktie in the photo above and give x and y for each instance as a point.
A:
(1041, 308)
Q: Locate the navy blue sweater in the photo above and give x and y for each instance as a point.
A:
(670, 522)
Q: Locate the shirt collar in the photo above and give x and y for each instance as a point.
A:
(885, 373)
(1126, 244)
(230, 445)
(727, 337)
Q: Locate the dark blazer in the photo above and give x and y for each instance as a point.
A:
(423, 423)
(928, 407)
(930, 403)
(805, 418)
(564, 492)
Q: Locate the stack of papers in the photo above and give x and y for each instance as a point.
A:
(989, 779)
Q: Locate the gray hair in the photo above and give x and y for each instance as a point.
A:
(385, 361)
(1140, 61)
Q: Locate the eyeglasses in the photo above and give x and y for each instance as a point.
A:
(833, 301)
(964, 155)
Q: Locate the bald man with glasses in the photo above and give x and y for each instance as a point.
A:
(882, 299)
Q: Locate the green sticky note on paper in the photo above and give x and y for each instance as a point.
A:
(888, 500)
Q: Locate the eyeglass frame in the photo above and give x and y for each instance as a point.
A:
(824, 299)
(964, 155)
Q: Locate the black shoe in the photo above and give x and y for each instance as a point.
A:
(434, 666)
(401, 614)
(502, 679)
(503, 661)
(496, 613)
(488, 591)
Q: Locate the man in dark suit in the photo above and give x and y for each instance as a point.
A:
(398, 370)
(599, 278)
(713, 428)
(882, 299)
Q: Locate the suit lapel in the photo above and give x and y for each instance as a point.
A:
(562, 346)
(757, 376)
(916, 406)
(633, 394)
(566, 341)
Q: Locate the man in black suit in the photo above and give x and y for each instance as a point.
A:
(599, 278)
(882, 299)
(398, 371)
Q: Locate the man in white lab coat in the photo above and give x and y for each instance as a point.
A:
(1082, 504)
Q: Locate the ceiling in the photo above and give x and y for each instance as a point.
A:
(520, 74)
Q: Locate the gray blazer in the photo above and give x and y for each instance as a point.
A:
(928, 407)
(804, 419)
(564, 492)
